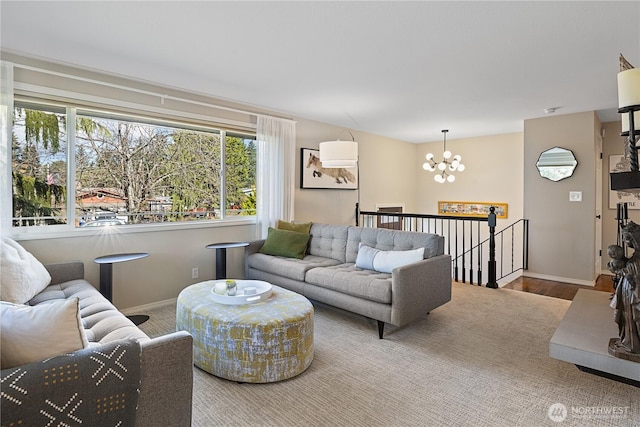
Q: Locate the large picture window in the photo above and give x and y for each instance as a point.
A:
(125, 170)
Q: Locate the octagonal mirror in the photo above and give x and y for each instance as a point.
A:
(556, 164)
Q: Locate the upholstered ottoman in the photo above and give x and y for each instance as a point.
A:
(267, 341)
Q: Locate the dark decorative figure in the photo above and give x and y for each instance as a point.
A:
(626, 300)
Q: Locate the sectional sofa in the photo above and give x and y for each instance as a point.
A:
(337, 269)
(56, 390)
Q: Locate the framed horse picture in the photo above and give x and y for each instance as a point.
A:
(313, 175)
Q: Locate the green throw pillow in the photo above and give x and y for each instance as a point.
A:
(300, 227)
(290, 244)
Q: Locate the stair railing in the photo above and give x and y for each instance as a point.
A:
(468, 240)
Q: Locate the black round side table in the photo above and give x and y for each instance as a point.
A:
(221, 256)
(106, 277)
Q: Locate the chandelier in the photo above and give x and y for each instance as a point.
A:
(446, 166)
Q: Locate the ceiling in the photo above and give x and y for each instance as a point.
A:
(404, 70)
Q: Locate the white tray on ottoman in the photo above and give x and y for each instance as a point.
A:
(262, 292)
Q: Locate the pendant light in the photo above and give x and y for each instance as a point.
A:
(446, 167)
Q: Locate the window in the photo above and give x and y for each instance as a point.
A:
(126, 170)
(39, 166)
(240, 178)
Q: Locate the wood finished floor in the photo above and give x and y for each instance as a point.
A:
(558, 289)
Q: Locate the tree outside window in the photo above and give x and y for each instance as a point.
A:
(127, 171)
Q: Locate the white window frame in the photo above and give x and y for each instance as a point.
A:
(47, 95)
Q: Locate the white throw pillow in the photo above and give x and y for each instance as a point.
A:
(22, 276)
(366, 255)
(385, 261)
(32, 333)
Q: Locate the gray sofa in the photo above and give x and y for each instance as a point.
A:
(166, 362)
(328, 273)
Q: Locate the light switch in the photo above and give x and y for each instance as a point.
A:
(575, 196)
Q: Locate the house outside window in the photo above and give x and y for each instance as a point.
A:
(122, 170)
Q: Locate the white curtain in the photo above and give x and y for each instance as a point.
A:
(6, 111)
(276, 140)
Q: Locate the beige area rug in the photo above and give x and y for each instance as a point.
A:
(480, 360)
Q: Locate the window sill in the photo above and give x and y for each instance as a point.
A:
(53, 232)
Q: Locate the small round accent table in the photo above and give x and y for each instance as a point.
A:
(221, 256)
(106, 277)
(268, 341)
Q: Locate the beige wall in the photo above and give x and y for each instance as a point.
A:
(500, 168)
(387, 175)
(493, 173)
(159, 277)
(384, 177)
(562, 233)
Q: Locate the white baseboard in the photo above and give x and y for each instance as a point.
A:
(142, 308)
(560, 279)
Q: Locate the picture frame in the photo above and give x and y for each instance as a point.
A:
(620, 163)
(478, 209)
(314, 176)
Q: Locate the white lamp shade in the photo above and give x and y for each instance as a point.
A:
(451, 178)
(625, 121)
(339, 154)
(335, 164)
(447, 154)
(429, 156)
(460, 167)
(629, 88)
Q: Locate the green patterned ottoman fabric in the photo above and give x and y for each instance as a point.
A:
(268, 341)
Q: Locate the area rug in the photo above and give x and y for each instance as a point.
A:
(480, 360)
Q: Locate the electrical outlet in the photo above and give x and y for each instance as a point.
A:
(194, 273)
